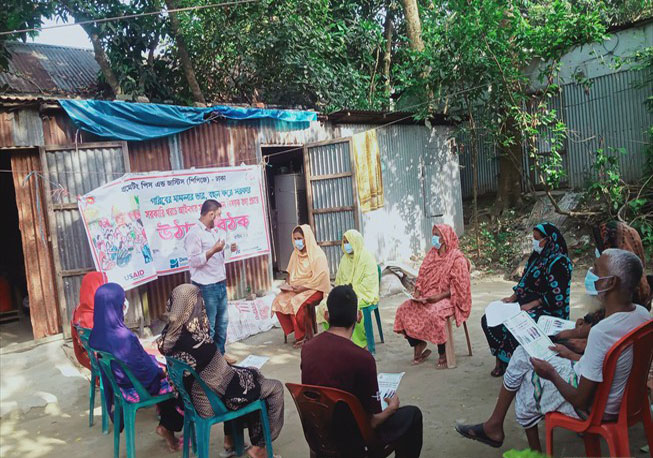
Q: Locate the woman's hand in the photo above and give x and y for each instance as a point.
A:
(509, 299)
(531, 305)
(286, 287)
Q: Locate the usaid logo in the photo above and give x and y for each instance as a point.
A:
(134, 275)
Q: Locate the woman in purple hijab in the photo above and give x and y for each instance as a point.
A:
(110, 335)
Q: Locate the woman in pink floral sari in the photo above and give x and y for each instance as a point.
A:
(442, 291)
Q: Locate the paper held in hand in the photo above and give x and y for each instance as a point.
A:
(254, 361)
(388, 384)
(533, 339)
(497, 312)
(552, 325)
(408, 295)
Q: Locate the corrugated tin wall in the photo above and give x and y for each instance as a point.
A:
(610, 113)
(417, 164)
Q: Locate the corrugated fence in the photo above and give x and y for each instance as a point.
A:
(608, 113)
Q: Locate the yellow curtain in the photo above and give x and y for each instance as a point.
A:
(369, 181)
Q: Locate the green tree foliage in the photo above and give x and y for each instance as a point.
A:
(18, 15)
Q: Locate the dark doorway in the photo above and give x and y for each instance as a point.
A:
(15, 325)
(286, 192)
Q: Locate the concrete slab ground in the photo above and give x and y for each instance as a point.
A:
(44, 397)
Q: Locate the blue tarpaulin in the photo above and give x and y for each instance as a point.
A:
(145, 121)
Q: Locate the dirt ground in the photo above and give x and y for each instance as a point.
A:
(44, 398)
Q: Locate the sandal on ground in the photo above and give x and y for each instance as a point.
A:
(498, 371)
(229, 452)
(425, 354)
(298, 343)
(250, 456)
(476, 432)
(442, 364)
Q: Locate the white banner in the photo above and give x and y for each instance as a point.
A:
(248, 318)
(166, 205)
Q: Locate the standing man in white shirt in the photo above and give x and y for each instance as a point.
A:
(205, 249)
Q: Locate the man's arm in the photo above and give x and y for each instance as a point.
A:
(378, 418)
(581, 397)
(197, 257)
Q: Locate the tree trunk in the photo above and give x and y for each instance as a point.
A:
(474, 135)
(100, 54)
(510, 169)
(184, 57)
(103, 60)
(413, 25)
(387, 55)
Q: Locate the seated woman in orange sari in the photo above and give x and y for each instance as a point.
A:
(442, 291)
(308, 282)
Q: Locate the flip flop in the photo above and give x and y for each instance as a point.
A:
(498, 371)
(425, 354)
(476, 433)
(441, 366)
(249, 456)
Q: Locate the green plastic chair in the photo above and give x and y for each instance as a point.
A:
(127, 408)
(197, 428)
(84, 334)
(367, 321)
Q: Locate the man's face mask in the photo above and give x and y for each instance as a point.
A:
(590, 283)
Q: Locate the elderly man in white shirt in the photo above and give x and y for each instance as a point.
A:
(205, 249)
(567, 382)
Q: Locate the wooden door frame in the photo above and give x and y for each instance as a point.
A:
(52, 223)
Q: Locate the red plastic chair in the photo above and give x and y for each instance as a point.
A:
(316, 405)
(634, 406)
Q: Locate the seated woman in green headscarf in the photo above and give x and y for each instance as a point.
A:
(357, 268)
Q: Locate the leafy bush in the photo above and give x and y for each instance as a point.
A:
(500, 243)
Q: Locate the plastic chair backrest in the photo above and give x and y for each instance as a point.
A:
(641, 341)
(106, 359)
(176, 371)
(316, 405)
(84, 334)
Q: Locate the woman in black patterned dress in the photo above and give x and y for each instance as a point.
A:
(186, 338)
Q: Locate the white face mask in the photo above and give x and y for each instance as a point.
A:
(536, 246)
(125, 308)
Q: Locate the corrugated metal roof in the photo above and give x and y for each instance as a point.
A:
(347, 116)
(45, 69)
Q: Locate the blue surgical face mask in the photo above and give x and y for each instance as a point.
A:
(348, 248)
(536, 246)
(299, 244)
(597, 253)
(435, 241)
(590, 283)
